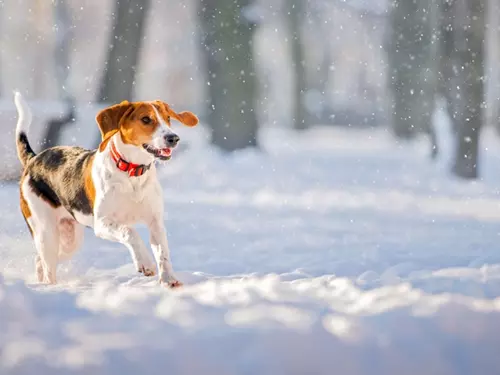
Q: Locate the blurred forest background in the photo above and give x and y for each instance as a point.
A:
(245, 64)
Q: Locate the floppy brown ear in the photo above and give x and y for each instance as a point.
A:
(109, 118)
(187, 118)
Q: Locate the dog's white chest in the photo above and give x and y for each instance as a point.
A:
(126, 200)
(130, 214)
(131, 204)
(137, 192)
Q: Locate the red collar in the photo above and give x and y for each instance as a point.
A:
(134, 170)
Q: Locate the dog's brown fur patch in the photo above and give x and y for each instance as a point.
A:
(89, 186)
(126, 118)
(163, 111)
(109, 118)
(132, 128)
(25, 209)
(105, 141)
(186, 118)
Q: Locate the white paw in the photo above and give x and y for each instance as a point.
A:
(147, 270)
(171, 282)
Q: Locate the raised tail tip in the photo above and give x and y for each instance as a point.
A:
(23, 111)
(24, 150)
(18, 98)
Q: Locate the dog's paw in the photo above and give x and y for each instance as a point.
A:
(171, 282)
(147, 271)
(175, 284)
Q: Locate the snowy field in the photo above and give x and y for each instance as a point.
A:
(331, 252)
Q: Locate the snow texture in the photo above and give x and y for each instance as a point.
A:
(332, 251)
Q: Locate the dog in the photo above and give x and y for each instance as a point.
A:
(64, 189)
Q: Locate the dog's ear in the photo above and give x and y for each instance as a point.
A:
(187, 118)
(109, 118)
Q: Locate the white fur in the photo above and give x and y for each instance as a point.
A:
(24, 114)
(86, 220)
(56, 234)
(160, 133)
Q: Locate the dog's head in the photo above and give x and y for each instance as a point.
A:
(143, 124)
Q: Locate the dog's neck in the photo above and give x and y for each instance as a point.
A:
(131, 153)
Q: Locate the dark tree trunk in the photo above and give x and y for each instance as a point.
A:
(125, 41)
(447, 79)
(55, 125)
(469, 54)
(294, 15)
(124, 46)
(411, 67)
(227, 48)
(64, 34)
(493, 19)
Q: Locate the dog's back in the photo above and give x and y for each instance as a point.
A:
(58, 175)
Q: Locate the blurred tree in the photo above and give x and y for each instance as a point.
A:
(412, 66)
(129, 18)
(493, 49)
(317, 100)
(468, 59)
(64, 35)
(227, 32)
(124, 47)
(446, 81)
(294, 13)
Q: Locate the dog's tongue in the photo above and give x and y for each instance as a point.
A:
(166, 152)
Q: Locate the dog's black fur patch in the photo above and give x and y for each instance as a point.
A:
(44, 191)
(25, 150)
(57, 176)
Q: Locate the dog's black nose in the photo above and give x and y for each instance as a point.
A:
(172, 139)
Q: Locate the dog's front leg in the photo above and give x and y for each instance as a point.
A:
(159, 243)
(109, 230)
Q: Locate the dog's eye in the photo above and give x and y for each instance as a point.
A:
(146, 120)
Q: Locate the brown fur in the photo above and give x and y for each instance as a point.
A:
(126, 119)
(105, 141)
(133, 131)
(108, 119)
(187, 118)
(25, 209)
(89, 186)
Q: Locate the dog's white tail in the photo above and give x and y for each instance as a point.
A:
(24, 150)
(24, 113)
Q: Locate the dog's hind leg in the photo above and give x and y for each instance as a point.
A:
(26, 211)
(47, 244)
(70, 237)
(39, 268)
(43, 222)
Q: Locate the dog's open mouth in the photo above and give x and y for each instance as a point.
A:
(159, 153)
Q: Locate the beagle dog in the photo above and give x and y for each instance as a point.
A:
(63, 189)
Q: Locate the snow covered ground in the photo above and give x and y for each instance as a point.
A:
(330, 252)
